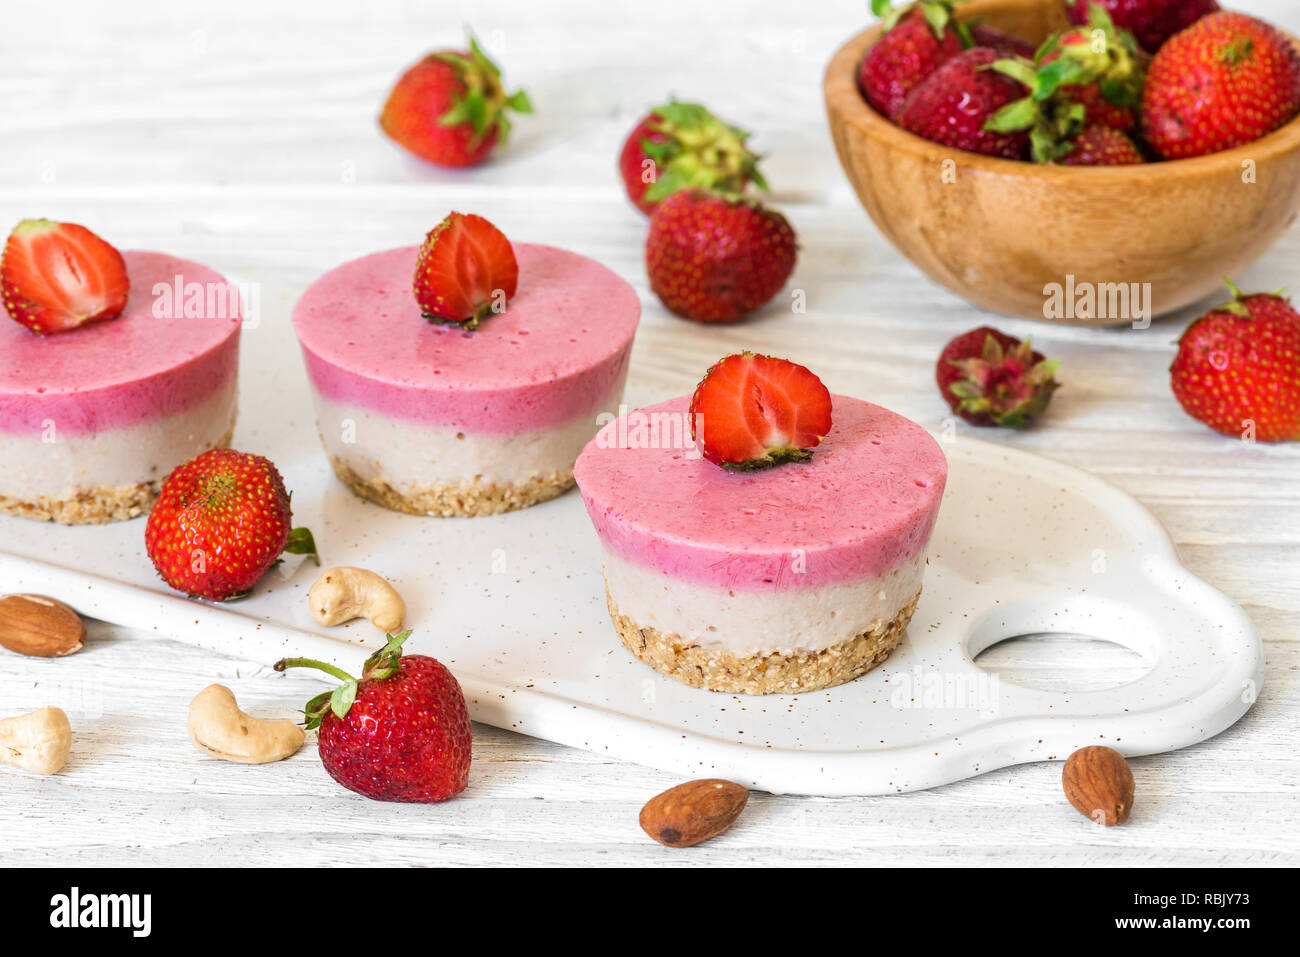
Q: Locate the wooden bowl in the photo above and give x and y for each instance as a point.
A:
(1028, 240)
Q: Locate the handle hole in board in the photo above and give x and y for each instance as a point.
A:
(1063, 662)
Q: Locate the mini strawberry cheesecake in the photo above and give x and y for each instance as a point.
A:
(780, 547)
(475, 394)
(111, 384)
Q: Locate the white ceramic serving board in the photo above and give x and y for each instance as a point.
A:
(514, 605)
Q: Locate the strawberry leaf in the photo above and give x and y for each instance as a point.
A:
(503, 128)
(342, 698)
(302, 542)
(669, 182)
(1099, 18)
(685, 115)
(937, 16)
(1018, 115)
(1045, 147)
(1051, 77)
(1047, 46)
(476, 110)
(962, 29)
(1118, 92)
(316, 709)
(1017, 69)
(481, 59)
(386, 661)
(659, 152)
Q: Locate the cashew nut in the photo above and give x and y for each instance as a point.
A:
(38, 742)
(344, 593)
(220, 729)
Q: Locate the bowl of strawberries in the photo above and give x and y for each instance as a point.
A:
(1080, 161)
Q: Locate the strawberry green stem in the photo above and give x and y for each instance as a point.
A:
(339, 673)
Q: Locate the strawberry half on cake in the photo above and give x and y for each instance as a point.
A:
(474, 395)
(762, 536)
(117, 368)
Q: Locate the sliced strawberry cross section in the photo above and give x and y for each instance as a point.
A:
(752, 412)
(466, 270)
(56, 276)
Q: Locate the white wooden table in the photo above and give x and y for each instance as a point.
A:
(244, 136)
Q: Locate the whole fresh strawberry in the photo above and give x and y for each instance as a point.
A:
(399, 733)
(56, 276)
(955, 104)
(990, 378)
(1101, 146)
(682, 145)
(450, 108)
(753, 412)
(221, 520)
(917, 39)
(1152, 22)
(1226, 80)
(1238, 368)
(714, 257)
(466, 269)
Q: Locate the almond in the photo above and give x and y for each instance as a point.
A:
(1099, 783)
(40, 627)
(693, 812)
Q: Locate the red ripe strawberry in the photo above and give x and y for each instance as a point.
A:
(1152, 22)
(450, 108)
(682, 145)
(1008, 45)
(1102, 146)
(221, 520)
(956, 102)
(1226, 80)
(1238, 367)
(714, 257)
(990, 378)
(753, 412)
(917, 39)
(57, 276)
(400, 733)
(466, 269)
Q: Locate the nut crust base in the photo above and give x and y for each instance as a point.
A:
(464, 499)
(714, 670)
(97, 506)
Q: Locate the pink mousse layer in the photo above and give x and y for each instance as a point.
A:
(866, 502)
(122, 371)
(558, 351)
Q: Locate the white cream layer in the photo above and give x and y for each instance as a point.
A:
(61, 465)
(407, 455)
(750, 623)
